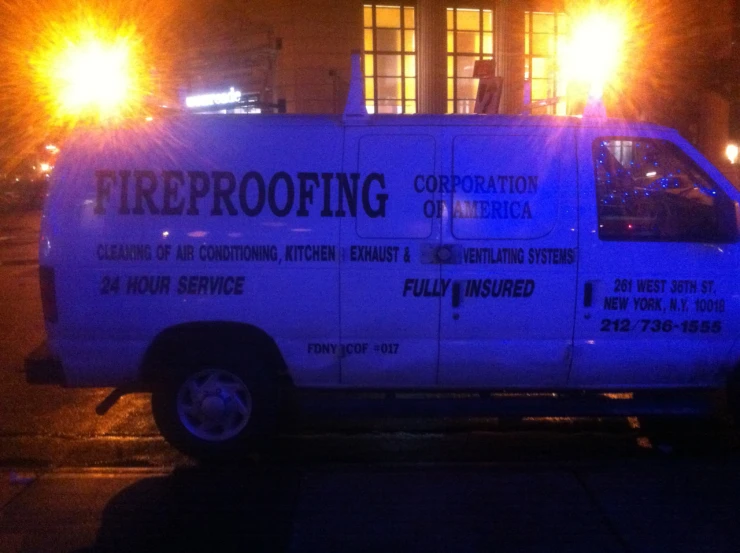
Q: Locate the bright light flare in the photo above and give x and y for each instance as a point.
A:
(732, 152)
(594, 52)
(94, 75)
(91, 74)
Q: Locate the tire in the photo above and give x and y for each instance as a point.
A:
(217, 406)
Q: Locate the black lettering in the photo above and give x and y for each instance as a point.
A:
(289, 194)
(103, 180)
(326, 209)
(305, 191)
(348, 190)
(197, 192)
(224, 194)
(379, 211)
(145, 193)
(172, 179)
(123, 209)
(244, 185)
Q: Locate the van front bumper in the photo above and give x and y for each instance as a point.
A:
(42, 367)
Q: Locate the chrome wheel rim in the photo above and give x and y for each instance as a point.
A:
(214, 404)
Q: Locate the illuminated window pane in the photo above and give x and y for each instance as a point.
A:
(468, 43)
(487, 20)
(410, 89)
(389, 65)
(369, 89)
(389, 88)
(539, 68)
(469, 39)
(390, 60)
(488, 43)
(388, 16)
(410, 107)
(561, 43)
(464, 66)
(465, 106)
(540, 89)
(409, 66)
(408, 18)
(388, 40)
(542, 45)
(543, 23)
(409, 41)
(369, 65)
(370, 106)
(389, 106)
(466, 88)
(468, 20)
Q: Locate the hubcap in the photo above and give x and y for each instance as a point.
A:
(214, 404)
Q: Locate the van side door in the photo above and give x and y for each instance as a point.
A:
(510, 228)
(389, 286)
(658, 263)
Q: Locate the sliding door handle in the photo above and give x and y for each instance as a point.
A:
(588, 293)
(456, 294)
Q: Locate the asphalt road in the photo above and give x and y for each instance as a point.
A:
(50, 425)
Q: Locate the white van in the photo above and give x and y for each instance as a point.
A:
(222, 260)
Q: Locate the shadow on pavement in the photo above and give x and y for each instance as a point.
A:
(208, 509)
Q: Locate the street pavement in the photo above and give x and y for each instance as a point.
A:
(72, 481)
(635, 506)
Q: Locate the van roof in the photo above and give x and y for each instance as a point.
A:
(431, 120)
(420, 120)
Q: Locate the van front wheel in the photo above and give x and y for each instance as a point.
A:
(214, 412)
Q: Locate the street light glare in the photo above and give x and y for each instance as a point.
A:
(594, 52)
(94, 75)
(90, 73)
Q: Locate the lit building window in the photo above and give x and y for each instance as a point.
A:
(544, 45)
(469, 38)
(390, 59)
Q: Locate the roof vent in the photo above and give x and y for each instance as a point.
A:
(355, 106)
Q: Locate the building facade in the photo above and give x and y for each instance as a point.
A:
(419, 57)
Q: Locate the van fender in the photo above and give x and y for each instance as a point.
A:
(202, 338)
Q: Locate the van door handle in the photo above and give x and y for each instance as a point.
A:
(588, 293)
(456, 294)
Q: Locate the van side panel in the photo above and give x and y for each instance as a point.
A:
(511, 223)
(389, 307)
(208, 220)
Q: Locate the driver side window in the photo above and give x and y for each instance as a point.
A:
(650, 190)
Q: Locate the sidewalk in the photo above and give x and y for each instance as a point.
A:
(635, 506)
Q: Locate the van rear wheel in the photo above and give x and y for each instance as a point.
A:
(216, 411)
